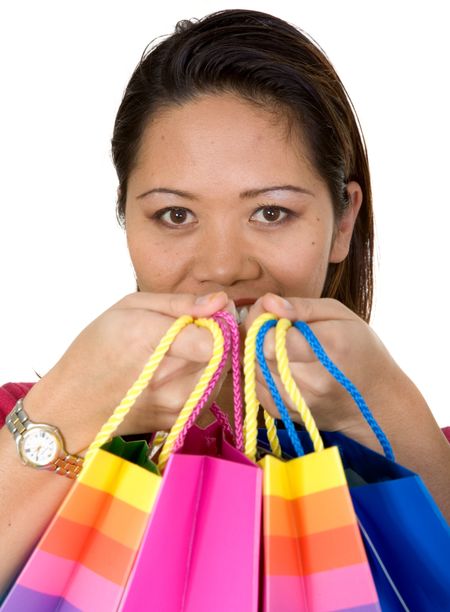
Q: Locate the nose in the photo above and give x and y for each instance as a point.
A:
(225, 257)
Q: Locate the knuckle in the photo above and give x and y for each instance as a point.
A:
(173, 303)
(337, 344)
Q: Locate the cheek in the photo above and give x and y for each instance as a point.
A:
(301, 266)
(157, 265)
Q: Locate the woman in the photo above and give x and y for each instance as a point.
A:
(244, 185)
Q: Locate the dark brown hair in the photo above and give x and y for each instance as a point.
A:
(271, 63)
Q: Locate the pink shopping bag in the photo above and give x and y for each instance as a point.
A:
(201, 548)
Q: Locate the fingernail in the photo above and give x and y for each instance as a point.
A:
(206, 299)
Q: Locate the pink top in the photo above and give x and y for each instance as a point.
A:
(11, 392)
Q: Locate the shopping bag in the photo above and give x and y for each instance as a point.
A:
(314, 558)
(406, 537)
(201, 548)
(84, 558)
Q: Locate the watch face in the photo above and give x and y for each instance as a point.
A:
(39, 446)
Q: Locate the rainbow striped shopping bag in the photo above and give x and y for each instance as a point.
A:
(85, 557)
(313, 555)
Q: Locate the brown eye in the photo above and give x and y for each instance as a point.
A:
(271, 215)
(173, 216)
(178, 215)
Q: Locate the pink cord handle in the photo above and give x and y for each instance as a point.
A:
(206, 394)
(222, 418)
(237, 379)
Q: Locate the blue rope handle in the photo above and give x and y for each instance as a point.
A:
(273, 388)
(314, 343)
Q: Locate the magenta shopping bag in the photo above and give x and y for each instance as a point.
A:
(201, 548)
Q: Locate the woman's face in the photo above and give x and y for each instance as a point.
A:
(222, 199)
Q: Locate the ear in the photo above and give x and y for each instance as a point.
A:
(344, 227)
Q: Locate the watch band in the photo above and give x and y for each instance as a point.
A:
(65, 464)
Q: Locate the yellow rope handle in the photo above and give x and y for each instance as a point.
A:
(251, 400)
(272, 435)
(289, 384)
(138, 386)
(197, 393)
(159, 438)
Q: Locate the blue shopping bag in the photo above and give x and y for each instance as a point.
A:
(407, 538)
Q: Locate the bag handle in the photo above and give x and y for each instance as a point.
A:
(199, 392)
(289, 385)
(147, 373)
(230, 333)
(251, 400)
(221, 418)
(340, 377)
(238, 398)
(179, 441)
(262, 324)
(137, 387)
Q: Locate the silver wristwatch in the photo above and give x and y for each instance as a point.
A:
(41, 446)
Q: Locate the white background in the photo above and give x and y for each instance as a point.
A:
(63, 257)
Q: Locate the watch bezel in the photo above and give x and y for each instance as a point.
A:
(53, 431)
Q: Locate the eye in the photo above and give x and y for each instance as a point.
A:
(272, 215)
(173, 216)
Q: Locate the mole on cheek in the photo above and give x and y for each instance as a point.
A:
(313, 243)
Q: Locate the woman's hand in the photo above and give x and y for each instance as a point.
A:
(357, 351)
(82, 390)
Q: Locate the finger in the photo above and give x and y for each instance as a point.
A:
(305, 309)
(173, 369)
(297, 347)
(177, 304)
(266, 401)
(269, 405)
(192, 343)
(173, 397)
(261, 384)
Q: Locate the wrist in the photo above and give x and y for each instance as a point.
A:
(41, 445)
(44, 403)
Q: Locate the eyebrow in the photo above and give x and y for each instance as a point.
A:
(249, 193)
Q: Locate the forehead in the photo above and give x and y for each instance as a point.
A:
(217, 133)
